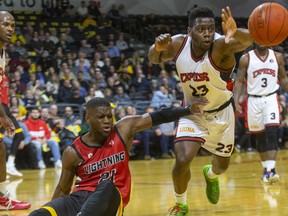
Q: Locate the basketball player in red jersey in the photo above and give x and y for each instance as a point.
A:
(18, 136)
(99, 160)
(204, 62)
(260, 71)
(7, 28)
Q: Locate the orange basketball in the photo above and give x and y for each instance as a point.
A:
(268, 24)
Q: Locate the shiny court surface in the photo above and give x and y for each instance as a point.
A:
(242, 192)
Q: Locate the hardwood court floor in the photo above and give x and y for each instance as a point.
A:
(242, 193)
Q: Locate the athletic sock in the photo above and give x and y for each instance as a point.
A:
(181, 198)
(211, 174)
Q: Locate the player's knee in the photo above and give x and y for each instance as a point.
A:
(107, 186)
(40, 212)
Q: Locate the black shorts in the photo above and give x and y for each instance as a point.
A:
(69, 205)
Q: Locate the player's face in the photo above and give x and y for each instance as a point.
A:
(7, 27)
(202, 33)
(100, 121)
(260, 47)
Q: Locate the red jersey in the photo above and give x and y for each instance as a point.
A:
(4, 82)
(4, 87)
(109, 162)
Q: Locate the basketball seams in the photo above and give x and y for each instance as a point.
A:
(267, 17)
(268, 25)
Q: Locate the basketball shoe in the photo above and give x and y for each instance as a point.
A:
(212, 186)
(270, 176)
(6, 203)
(179, 210)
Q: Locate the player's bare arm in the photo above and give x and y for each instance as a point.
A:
(235, 40)
(6, 123)
(70, 160)
(240, 81)
(281, 72)
(129, 125)
(165, 48)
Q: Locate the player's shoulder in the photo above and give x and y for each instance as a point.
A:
(179, 37)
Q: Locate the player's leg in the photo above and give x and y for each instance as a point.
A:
(105, 201)
(220, 143)
(268, 149)
(63, 206)
(18, 137)
(185, 152)
(211, 173)
(5, 202)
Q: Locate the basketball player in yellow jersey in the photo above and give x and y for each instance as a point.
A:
(261, 69)
(204, 63)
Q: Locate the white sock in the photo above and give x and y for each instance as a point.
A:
(11, 160)
(181, 198)
(211, 174)
(269, 164)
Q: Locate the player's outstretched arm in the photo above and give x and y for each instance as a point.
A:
(133, 124)
(165, 48)
(238, 39)
(69, 162)
(6, 122)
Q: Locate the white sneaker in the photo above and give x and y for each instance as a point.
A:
(41, 164)
(12, 171)
(58, 164)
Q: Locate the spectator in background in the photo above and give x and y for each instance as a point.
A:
(48, 44)
(114, 15)
(52, 86)
(72, 122)
(121, 96)
(66, 137)
(29, 98)
(112, 50)
(65, 92)
(139, 81)
(15, 104)
(82, 11)
(26, 156)
(153, 136)
(47, 10)
(161, 97)
(121, 44)
(41, 134)
(93, 10)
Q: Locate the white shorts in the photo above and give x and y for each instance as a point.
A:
(215, 130)
(262, 111)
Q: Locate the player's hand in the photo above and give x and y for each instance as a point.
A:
(197, 104)
(238, 108)
(162, 42)
(7, 124)
(229, 26)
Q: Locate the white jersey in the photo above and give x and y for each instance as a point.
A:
(200, 77)
(262, 74)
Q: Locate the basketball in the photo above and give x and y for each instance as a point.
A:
(268, 24)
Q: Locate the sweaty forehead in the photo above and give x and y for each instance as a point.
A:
(5, 17)
(204, 21)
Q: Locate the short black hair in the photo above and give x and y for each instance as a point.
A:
(97, 102)
(201, 12)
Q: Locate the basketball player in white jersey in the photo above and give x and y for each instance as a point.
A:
(262, 69)
(204, 63)
(7, 28)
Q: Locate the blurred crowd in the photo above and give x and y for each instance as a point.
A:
(54, 71)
